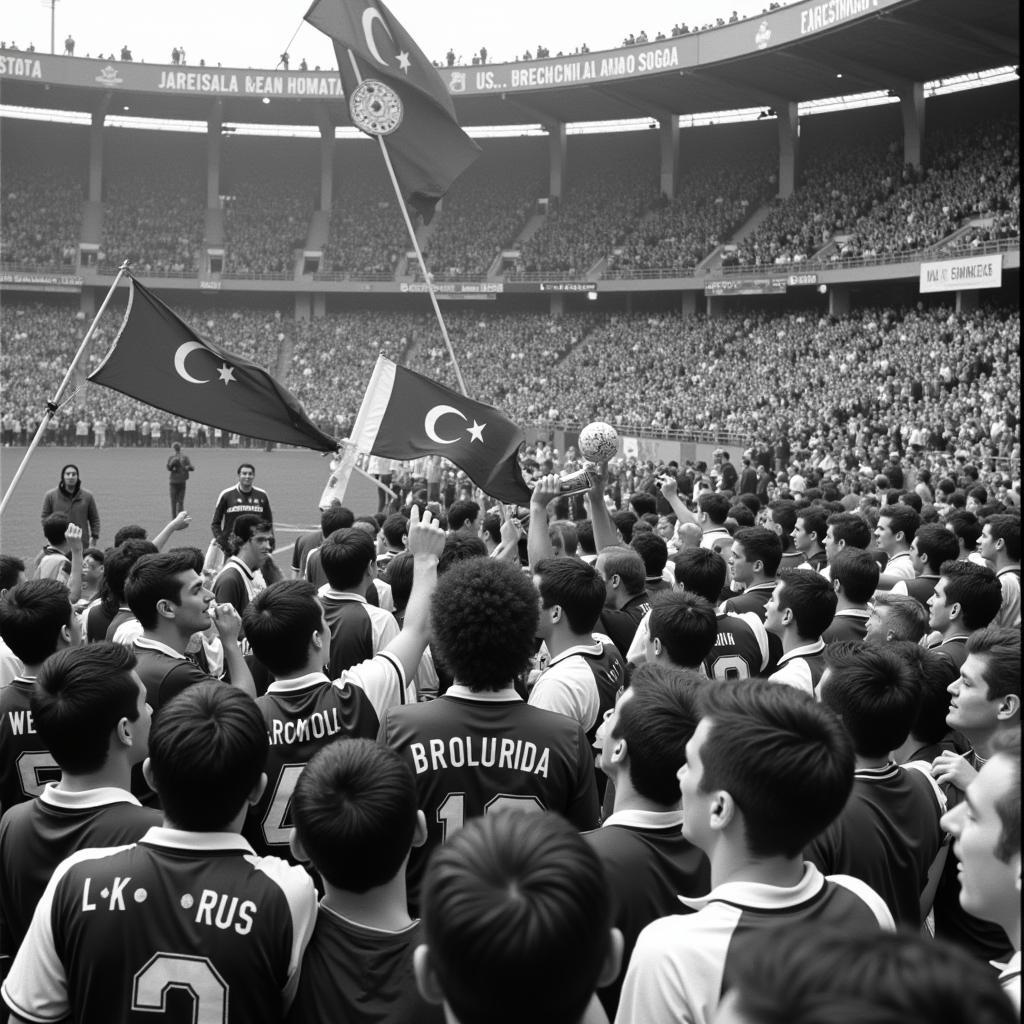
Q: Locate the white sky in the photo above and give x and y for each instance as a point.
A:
(252, 33)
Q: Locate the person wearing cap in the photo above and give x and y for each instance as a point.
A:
(179, 466)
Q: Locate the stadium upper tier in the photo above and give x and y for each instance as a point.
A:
(795, 53)
(270, 210)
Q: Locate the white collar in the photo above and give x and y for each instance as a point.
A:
(595, 648)
(637, 818)
(179, 839)
(102, 796)
(816, 647)
(761, 895)
(339, 595)
(461, 690)
(148, 644)
(293, 684)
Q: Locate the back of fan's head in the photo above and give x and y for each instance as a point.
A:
(207, 751)
(32, 615)
(346, 556)
(575, 587)
(155, 578)
(354, 807)
(786, 761)
(835, 974)
(516, 916)
(279, 623)
(80, 696)
(483, 619)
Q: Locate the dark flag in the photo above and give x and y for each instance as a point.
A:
(158, 359)
(428, 150)
(405, 416)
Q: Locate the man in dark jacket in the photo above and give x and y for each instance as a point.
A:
(179, 466)
(75, 502)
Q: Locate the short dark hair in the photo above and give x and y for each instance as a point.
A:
(902, 519)
(245, 465)
(279, 622)
(118, 565)
(11, 569)
(653, 550)
(154, 578)
(656, 723)
(484, 622)
(627, 565)
(462, 512)
(937, 544)
(741, 515)
(209, 731)
(875, 692)
(130, 532)
(354, 807)
(55, 527)
(395, 527)
(851, 528)
(967, 527)
(641, 502)
(1007, 529)
(783, 512)
(566, 533)
(398, 576)
(1000, 646)
(857, 572)
(32, 614)
(80, 696)
(786, 761)
(701, 571)
(346, 556)
(977, 590)
(907, 618)
(491, 525)
(811, 598)
(535, 882)
(815, 521)
(245, 526)
(800, 975)
(460, 547)
(335, 517)
(685, 624)
(715, 506)
(760, 545)
(624, 521)
(585, 535)
(930, 721)
(1007, 745)
(575, 586)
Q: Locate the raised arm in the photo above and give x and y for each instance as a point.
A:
(181, 521)
(605, 535)
(538, 543)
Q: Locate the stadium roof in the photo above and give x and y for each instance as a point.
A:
(808, 51)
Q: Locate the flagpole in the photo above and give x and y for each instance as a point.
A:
(53, 405)
(415, 244)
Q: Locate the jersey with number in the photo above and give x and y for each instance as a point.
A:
(480, 753)
(741, 648)
(178, 927)
(302, 715)
(37, 835)
(26, 765)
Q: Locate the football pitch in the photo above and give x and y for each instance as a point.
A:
(131, 486)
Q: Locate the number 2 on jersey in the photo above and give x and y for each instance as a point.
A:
(451, 813)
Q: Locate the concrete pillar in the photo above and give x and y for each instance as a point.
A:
(838, 299)
(556, 305)
(669, 135)
(688, 303)
(303, 305)
(87, 302)
(96, 155)
(912, 109)
(214, 123)
(556, 159)
(326, 157)
(967, 300)
(714, 305)
(789, 148)
(319, 305)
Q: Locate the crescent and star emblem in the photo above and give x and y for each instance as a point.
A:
(370, 15)
(476, 432)
(225, 372)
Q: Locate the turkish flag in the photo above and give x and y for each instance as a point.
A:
(428, 150)
(405, 416)
(158, 359)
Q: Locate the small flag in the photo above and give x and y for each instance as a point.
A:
(158, 359)
(405, 416)
(428, 150)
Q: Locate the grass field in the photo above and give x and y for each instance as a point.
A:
(130, 486)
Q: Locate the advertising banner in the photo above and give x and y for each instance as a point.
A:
(963, 274)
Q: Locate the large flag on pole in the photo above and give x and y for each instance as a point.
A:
(405, 416)
(428, 149)
(158, 359)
